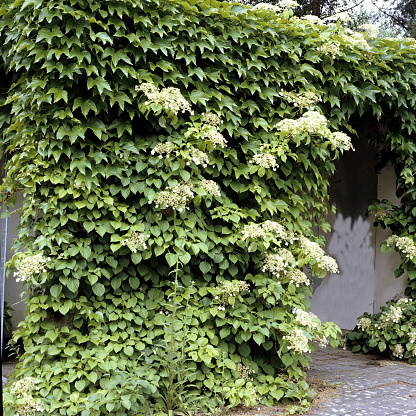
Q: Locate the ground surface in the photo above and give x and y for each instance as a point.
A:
(350, 384)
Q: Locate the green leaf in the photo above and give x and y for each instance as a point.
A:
(171, 259)
(85, 251)
(244, 349)
(98, 289)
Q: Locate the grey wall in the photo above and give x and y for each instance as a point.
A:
(366, 281)
(13, 289)
(342, 297)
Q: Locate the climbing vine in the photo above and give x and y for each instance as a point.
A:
(152, 137)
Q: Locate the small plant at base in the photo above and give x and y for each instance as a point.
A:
(391, 331)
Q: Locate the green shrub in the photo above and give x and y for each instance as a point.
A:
(390, 331)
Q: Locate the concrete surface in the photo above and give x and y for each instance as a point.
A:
(369, 385)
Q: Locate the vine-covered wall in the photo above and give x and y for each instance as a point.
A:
(174, 157)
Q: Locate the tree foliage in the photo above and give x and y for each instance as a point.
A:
(127, 179)
(399, 15)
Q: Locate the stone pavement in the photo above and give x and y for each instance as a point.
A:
(369, 385)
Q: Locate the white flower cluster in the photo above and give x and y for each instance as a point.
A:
(297, 341)
(136, 241)
(311, 122)
(279, 7)
(314, 251)
(313, 19)
(215, 137)
(398, 351)
(230, 289)
(211, 119)
(265, 160)
(371, 30)
(274, 264)
(338, 139)
(311, 249)
(176, 198)
(355, 39)
(305, 318)
(298, 278)
(304, 99)
(267, 6)
(276, 228)
(364, 323)
(23, 389)
(198, 157)
(390, 316)
(169, 98)
(277, 263)
(343, 16)
(31, 266)
(403, 301)
(260, 230)
(211, 187)
(405, 244)
(328, 263)
(322, 339)
(162, 149)
(412, 336)
(252, 231)
(244, 371)
(330, 49)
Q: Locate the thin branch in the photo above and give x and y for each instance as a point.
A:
(400, 22)
(351, 7)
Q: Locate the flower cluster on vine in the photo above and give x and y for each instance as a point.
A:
(279, 7)
(211, 119)
(339, 139)
(244, 371)
(370, 29)
(210, 187)
(162, 149)
(177, 197)
(261, 230)
(390, 316)
(136, 241)
(305, 318)
(398, 351)
(330, 49)
(198, 157)
(298, 278)
(297, 341)
(23, 390)
(30, 266)
(364, 323)
(277, 263)
(304, 99)
(169, 98)
(404, 244)
(230, 289)
(265, 160)
(311, 122)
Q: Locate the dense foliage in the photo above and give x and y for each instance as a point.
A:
(174, 157)
(391, 331)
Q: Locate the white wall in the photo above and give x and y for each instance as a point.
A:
(387, 287)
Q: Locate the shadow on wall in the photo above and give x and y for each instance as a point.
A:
(342, 297)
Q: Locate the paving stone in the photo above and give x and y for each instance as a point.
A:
(369, 386)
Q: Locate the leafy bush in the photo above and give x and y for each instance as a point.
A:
(390, 331)
(189, 137)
